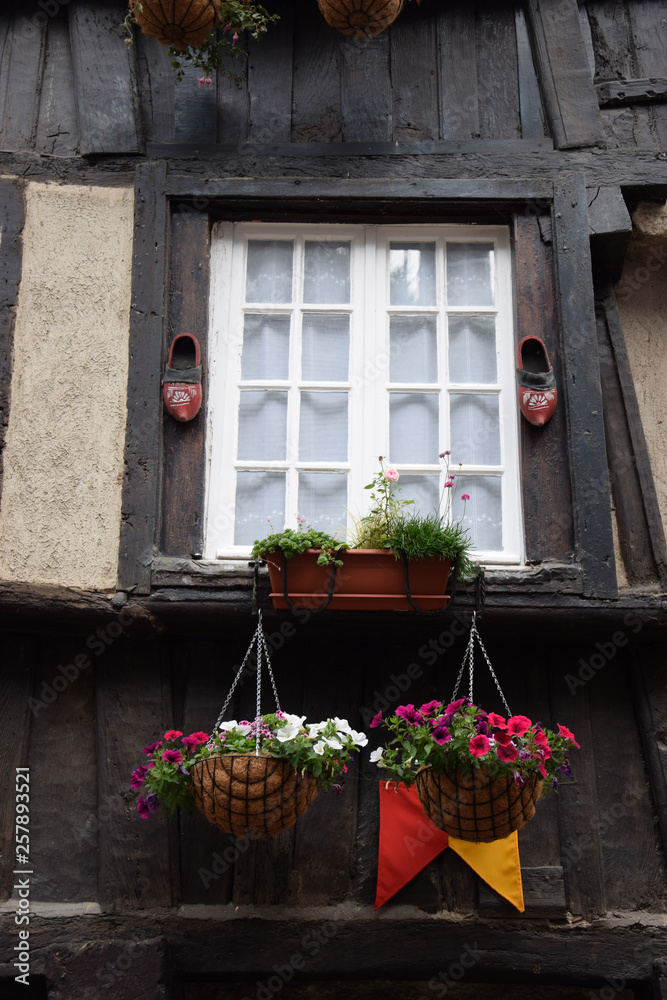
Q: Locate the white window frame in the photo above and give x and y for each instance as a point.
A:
(369, 371)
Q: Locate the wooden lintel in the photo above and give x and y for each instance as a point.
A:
(616, 93)
(610, 228)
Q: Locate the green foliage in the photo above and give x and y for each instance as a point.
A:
(294, 543)
(428, 536)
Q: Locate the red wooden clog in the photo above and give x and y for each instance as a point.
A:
(537, 383)
(182, 378)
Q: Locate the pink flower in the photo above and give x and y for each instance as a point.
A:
(518, 725)
(429, 707)
(565, 732)
(441, 735)
(204, 80)
(391, 475)
(449, 483)
(410, 714)
(376, 721)
(138, 776)
(465, 496)
(235, 38)
(172, 756)
(507, 753)
(504, 739)
(443, 453)
(497, 721)
(454, 706)
(479, 746)
(142, 807)
(172, 734)
(200, 737)
(151, 748)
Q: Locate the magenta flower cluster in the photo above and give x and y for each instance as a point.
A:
(158, 758)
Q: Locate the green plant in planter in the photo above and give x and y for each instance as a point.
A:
(294, 543)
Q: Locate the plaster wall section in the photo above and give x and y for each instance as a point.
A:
(63, 463)
(642, 302)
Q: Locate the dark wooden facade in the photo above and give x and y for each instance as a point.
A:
(548, 115)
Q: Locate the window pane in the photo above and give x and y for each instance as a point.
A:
(325, 348)
(423, 490)
(269, 274)
(472, 349)
(260, 505)
(412, 274)
(413, 427)
(323, 427)
(413, 349)
(475, 429)
(469, 272)
(265, 347)
(327, 272)
(262, 425)
(323, 501)
(483, 511)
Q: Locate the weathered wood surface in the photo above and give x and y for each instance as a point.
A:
(610, 229)
(57, 123)
(144, 404)
(567, 85)
(547, 500)
(641, 533)
(23, 46)
(105, 81)
(16, 687)
(650, 700)
(183, 443)
(12, 218)
(588, 460)
(543, 896)
(615, 92)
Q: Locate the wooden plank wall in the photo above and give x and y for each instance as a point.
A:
(592, 848)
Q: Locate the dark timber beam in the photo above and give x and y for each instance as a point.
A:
(610, 228)
(583, 397)
(564, 74)
(12, 218)
(144, 416)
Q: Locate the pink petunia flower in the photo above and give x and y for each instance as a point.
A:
(172, 756)
(172, 734)
(137, 778)
(142, 807)
(429, 707)
(502, 738)
(508, 753)
(454, 706)
(565, 732)
(151, 748)
(479, 746)
(441, 735)
(376, 721)
(496, 721)
(518, 725)
(410, 714)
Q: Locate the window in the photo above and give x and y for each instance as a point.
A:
(332, 345)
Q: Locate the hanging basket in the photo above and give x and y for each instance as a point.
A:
(251, 796)
(360, 17)
(181, 23)
(475, 807)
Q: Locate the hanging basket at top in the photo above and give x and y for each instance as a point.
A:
(475, 807)
(360, 17)
(251, 796)
(180, 23)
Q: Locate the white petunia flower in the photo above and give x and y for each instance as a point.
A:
(295, 720)
(319, 747)
(316, 727)
(334, 744)
(224, 726)
(342, 725)
(289, 731)
(376, 756)
(359, 738)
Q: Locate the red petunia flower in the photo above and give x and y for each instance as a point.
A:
(376, 721)
(496, 721)
(172, 734)
(507, 753)
(518, 725)
(564, 731)
(504, 739)
(479, 746)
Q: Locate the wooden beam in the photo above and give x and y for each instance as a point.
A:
(12, 219)
(144, 418)
(16, 687)
(650, 702)
(641, 532)
(105, 78)
(23, 55)
(583, 397)
(610, 228)
(564, 74)
(616, 93)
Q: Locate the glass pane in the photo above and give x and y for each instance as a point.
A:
(323, 501)
(413, 349)
(260, 505)
(262, 425)
(483, 511)
(269, 273)
(413, 427)
(475, 429)
(325, 348)
(412, 274)
(265, 347)
(323, 427)
(472, 349)
(327, 272)
(469, 274)
(423, 490)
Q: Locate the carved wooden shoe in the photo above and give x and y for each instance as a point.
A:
(537, 383)
(182, 378)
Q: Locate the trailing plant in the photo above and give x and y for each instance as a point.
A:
(211, 54)
(294, 543)
(462, 737)
(324, 749)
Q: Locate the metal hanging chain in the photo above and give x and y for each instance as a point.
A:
(468, 658)
(262, 653)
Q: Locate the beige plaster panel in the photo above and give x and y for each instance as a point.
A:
(642, 302)
(61, 495)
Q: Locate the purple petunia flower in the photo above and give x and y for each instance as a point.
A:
(142, 807)
(410, 714)
(441, 735)
(138, 776)
(172, 756)
(152, 801)
(151, 748)
(376, 721)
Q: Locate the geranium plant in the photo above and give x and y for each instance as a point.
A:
(324, 749)
(462, 737)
